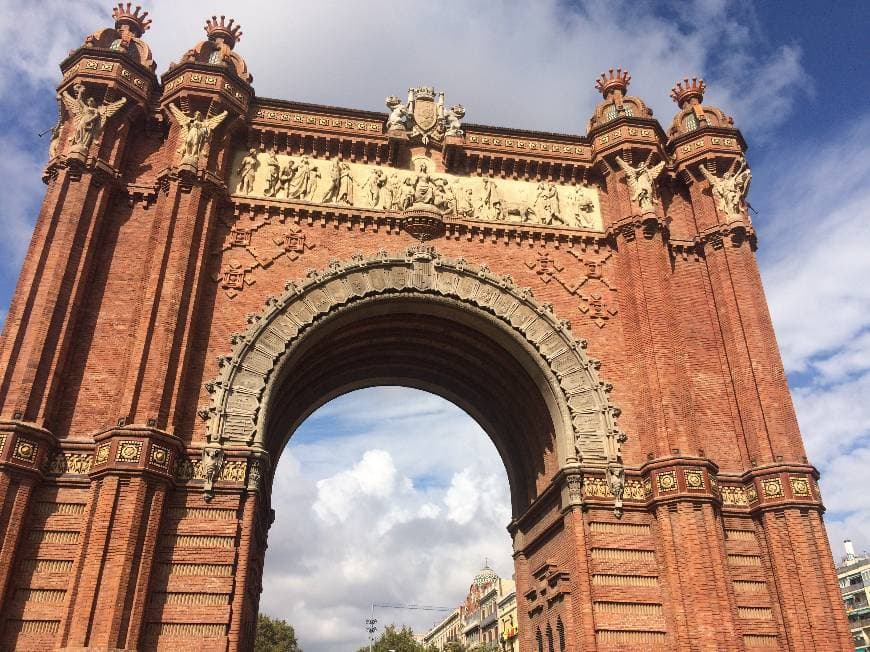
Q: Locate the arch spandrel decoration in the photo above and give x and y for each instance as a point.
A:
(584, 419)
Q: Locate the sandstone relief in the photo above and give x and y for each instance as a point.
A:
(271, 175)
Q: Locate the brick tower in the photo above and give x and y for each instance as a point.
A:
(209, 266)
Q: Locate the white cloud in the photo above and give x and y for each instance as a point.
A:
(529, 65)
(815, 238)
(368, 515)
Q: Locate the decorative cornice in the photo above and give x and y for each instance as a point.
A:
(736, 233)
(647, 225)
(25, 446)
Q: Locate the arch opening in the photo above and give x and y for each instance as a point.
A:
(361, 518)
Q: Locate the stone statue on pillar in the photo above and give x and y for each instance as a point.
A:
(641, 182)
(731, 188)
(195, 133)
(88, 118)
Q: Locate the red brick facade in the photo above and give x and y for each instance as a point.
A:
(168, 334)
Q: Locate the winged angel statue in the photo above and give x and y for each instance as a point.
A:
(730, 189)
(640, 181)
(88, 118)
(195, 132)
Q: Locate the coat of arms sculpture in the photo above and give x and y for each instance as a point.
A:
(424, 116)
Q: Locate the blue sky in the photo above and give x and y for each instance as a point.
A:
(796, 78)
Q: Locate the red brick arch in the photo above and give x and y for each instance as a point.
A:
(493, 349)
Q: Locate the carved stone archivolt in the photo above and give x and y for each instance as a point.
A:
(587, 417)
(275, 176)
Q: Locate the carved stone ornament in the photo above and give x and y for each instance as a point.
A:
(616, 481)
(254, 474)
(88, 118)
(424, 117)
(574, 482)
(234, 415)
(212, 461)
(196, 132)
(641, 182)
(730, 189)
(75, 463)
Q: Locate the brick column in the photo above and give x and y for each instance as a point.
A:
(185, 215)
(580, 623)
(42, 312)
(43, 315)
(129, 481)
(256, 518)
(668, 433)
(24, 452)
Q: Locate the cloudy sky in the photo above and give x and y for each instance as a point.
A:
(369, 510)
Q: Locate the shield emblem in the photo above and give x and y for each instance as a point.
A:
(425, 114)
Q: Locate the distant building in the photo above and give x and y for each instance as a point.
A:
(508, 624)
(449, 629)
(487, 617)
(854, 576)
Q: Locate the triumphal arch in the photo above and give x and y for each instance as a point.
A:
(208, 267)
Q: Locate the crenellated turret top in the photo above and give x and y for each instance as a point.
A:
(126, 36)
(217, 49)
(613, 85)
(689, 95)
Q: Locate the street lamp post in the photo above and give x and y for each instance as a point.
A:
(371, 627)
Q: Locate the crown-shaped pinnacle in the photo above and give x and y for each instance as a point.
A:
(685, 91)
(127, 15)
(229, 31)
(611, 81)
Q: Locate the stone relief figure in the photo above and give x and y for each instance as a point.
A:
(398, 117)
(546, 204)
(195, 132)
(340, 184)
(424, 188)
(54, 143)
(464, 198)
(490, 204)
(212, 460)
(616, 480)
(247, 172)
(286, 177)
(393, 193)
(444, 197)
(273, 174)
(298, 186)
(312, 184)
(641, 182)
(88, 118)
(582, 208)
(406, 196)
(453, 121)
(730, 189)
(375, 187)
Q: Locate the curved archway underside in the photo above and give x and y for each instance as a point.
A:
(421, 320)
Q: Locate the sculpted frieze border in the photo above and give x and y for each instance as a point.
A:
(275, 176)
(233, 418)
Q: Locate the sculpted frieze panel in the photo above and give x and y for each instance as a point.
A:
(276, 176)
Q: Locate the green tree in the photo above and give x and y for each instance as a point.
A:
(400, 640)
(275, 635)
